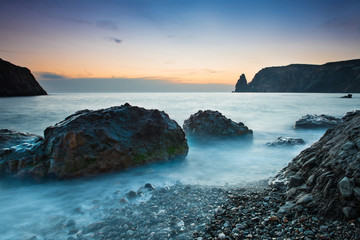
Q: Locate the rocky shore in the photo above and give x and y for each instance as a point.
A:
(199, 212)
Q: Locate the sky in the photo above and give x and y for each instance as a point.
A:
(189, 42)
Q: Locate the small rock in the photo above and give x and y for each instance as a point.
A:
(131, 194)
(304, 199)
(222, 236)
(149, 186)
(345, 187)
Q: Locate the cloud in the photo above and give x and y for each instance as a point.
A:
(49, 76)
(115, 40)
(108, 25)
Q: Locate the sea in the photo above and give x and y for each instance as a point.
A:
(26, 208)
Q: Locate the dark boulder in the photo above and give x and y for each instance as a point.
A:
(316, 121)
(17, 81)
(330, 171)
(286, 141)
(213, 124)
(347, 96)
(241, 85)
(93, 142)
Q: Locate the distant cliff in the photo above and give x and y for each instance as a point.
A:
(17, 81)
(331, 77)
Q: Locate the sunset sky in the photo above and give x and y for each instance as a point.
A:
(182, 41)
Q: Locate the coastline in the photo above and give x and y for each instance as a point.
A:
(206, 212)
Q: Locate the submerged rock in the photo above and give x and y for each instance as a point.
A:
(331, 170)
(316, 121)
(92, 142)
(213, 124)
(286, 141)
(347, 96)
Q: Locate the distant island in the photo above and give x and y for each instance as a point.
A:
(333, 77)
(17, 81)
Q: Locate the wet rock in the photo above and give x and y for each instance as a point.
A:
(316, 121)
(330, 168)
(295, 181)
(345, 187)
(149, 186)
(347, 96)
(131, 194)
(286, 141)
(307, 198)
(213, 124)
(94, 142)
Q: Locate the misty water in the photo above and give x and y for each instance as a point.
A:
(29, 209)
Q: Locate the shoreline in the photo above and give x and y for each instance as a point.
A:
(205, 212)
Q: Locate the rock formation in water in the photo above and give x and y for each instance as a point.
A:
(93, 142)
(242, 85)
(286, 141)
(213, 124)
(17, 81)
(326, 176)
(316, 121)
(331, 77)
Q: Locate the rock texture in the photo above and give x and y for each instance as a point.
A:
(317, 121)
(286, 141)
(326, 176)
(213, 124)
(17, 81)
(331, 77)
(92, 142)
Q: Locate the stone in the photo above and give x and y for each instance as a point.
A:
(222, 236)
(93, 142)
(131, 194)
(285, 209)
(305, 199)
(330, 168)
(347, 96)
(18, 81)
(295, 181)
(316, 121)
(210, 123)
(286, 141)
(149, 186)
(345, 187)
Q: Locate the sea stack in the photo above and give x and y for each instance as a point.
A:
(18, 81)
(241, 85)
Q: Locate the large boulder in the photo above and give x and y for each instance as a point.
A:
(17, 81)
(213, 124)
(316, 121)
(92, 142)
(327, 174)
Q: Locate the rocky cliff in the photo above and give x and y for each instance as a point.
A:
(17, 81)
(331, 77)
(326, 176)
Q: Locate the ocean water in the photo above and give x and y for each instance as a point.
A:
(29, 209)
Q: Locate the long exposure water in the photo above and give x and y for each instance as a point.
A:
(30, 209)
